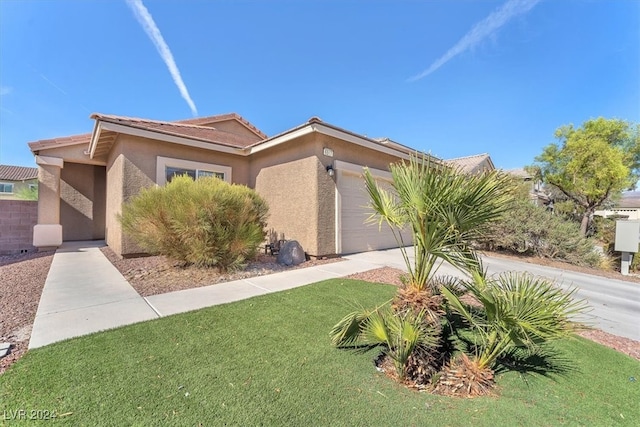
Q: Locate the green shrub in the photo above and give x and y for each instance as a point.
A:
(531, 230)
(206, 222)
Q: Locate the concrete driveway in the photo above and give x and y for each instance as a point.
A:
(615, 303)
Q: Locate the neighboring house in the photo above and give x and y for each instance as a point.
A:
(473, 165)
(310, 175)
(14, 179)
(628, 206)
(536, 189)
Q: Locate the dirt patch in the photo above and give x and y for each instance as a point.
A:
(22, 278)
(157, 274)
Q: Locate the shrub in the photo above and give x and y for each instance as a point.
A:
(531, 230)
(206, 222)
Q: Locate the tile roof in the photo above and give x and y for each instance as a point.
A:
(61, 141)
(209, 120)
(382, 142)
(630, 199)
(469, 163)
(17, 173)
(183, 129)
(199, 128)
(520, 173)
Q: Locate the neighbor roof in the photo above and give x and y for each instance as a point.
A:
(471, 164)
(520, 173)
(17, 173)
(630, 199)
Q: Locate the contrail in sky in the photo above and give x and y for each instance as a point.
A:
(149, 26)
(481, 30)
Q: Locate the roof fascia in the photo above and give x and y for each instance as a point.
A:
(95, 137)
(393, 148)
(363, 142)
(170, 138)
(34, 145)
(296, 133)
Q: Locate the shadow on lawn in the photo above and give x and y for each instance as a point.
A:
(545, 361)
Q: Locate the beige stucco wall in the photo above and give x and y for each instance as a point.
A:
(48, 194)
(292, 177)
(82, 201)
(233, 126)
(291, 190)
(352, 153)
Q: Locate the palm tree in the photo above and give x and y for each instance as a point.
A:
(519, 311)
(445, 210)
(400, 333)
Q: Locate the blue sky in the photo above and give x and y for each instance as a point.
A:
(454, 78)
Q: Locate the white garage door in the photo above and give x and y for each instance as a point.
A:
(354, 232)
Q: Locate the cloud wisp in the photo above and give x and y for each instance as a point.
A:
(481, 31)
(149, 26)
(5, 90)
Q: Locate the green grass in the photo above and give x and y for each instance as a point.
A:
(268, 361)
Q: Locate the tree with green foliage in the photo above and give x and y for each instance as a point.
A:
(592, 163)
(28, 193)
(535, 231)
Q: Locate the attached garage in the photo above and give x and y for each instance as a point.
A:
(353, 232)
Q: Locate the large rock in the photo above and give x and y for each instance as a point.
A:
(291, 253)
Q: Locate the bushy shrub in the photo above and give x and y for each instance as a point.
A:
(530, 229)
(206, 222)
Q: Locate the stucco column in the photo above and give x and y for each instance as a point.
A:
(48, 232)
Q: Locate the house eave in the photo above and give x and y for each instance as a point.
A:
(127, 130)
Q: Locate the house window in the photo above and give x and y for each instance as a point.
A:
(6, 187)
(167, 168)
(171, 172)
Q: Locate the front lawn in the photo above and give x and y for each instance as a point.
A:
(268, 361)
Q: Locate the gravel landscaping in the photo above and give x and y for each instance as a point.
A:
(21, 283)
(154, 275)
(23, 278)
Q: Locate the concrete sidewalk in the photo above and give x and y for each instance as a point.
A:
(85, 293)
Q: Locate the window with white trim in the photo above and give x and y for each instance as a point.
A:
(167, 168)
(6, 187)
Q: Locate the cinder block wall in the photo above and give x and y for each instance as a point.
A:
(17, 218)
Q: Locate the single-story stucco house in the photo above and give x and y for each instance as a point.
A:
(15, 179)
(627, 206)
(310, 175)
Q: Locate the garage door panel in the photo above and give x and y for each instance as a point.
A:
(357, 234)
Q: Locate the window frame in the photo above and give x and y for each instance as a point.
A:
(163, 162)
(10, 184)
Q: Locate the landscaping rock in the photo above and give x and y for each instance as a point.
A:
(4, 349)
(291, 253)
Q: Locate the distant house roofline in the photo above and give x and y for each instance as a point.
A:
(17, 173)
